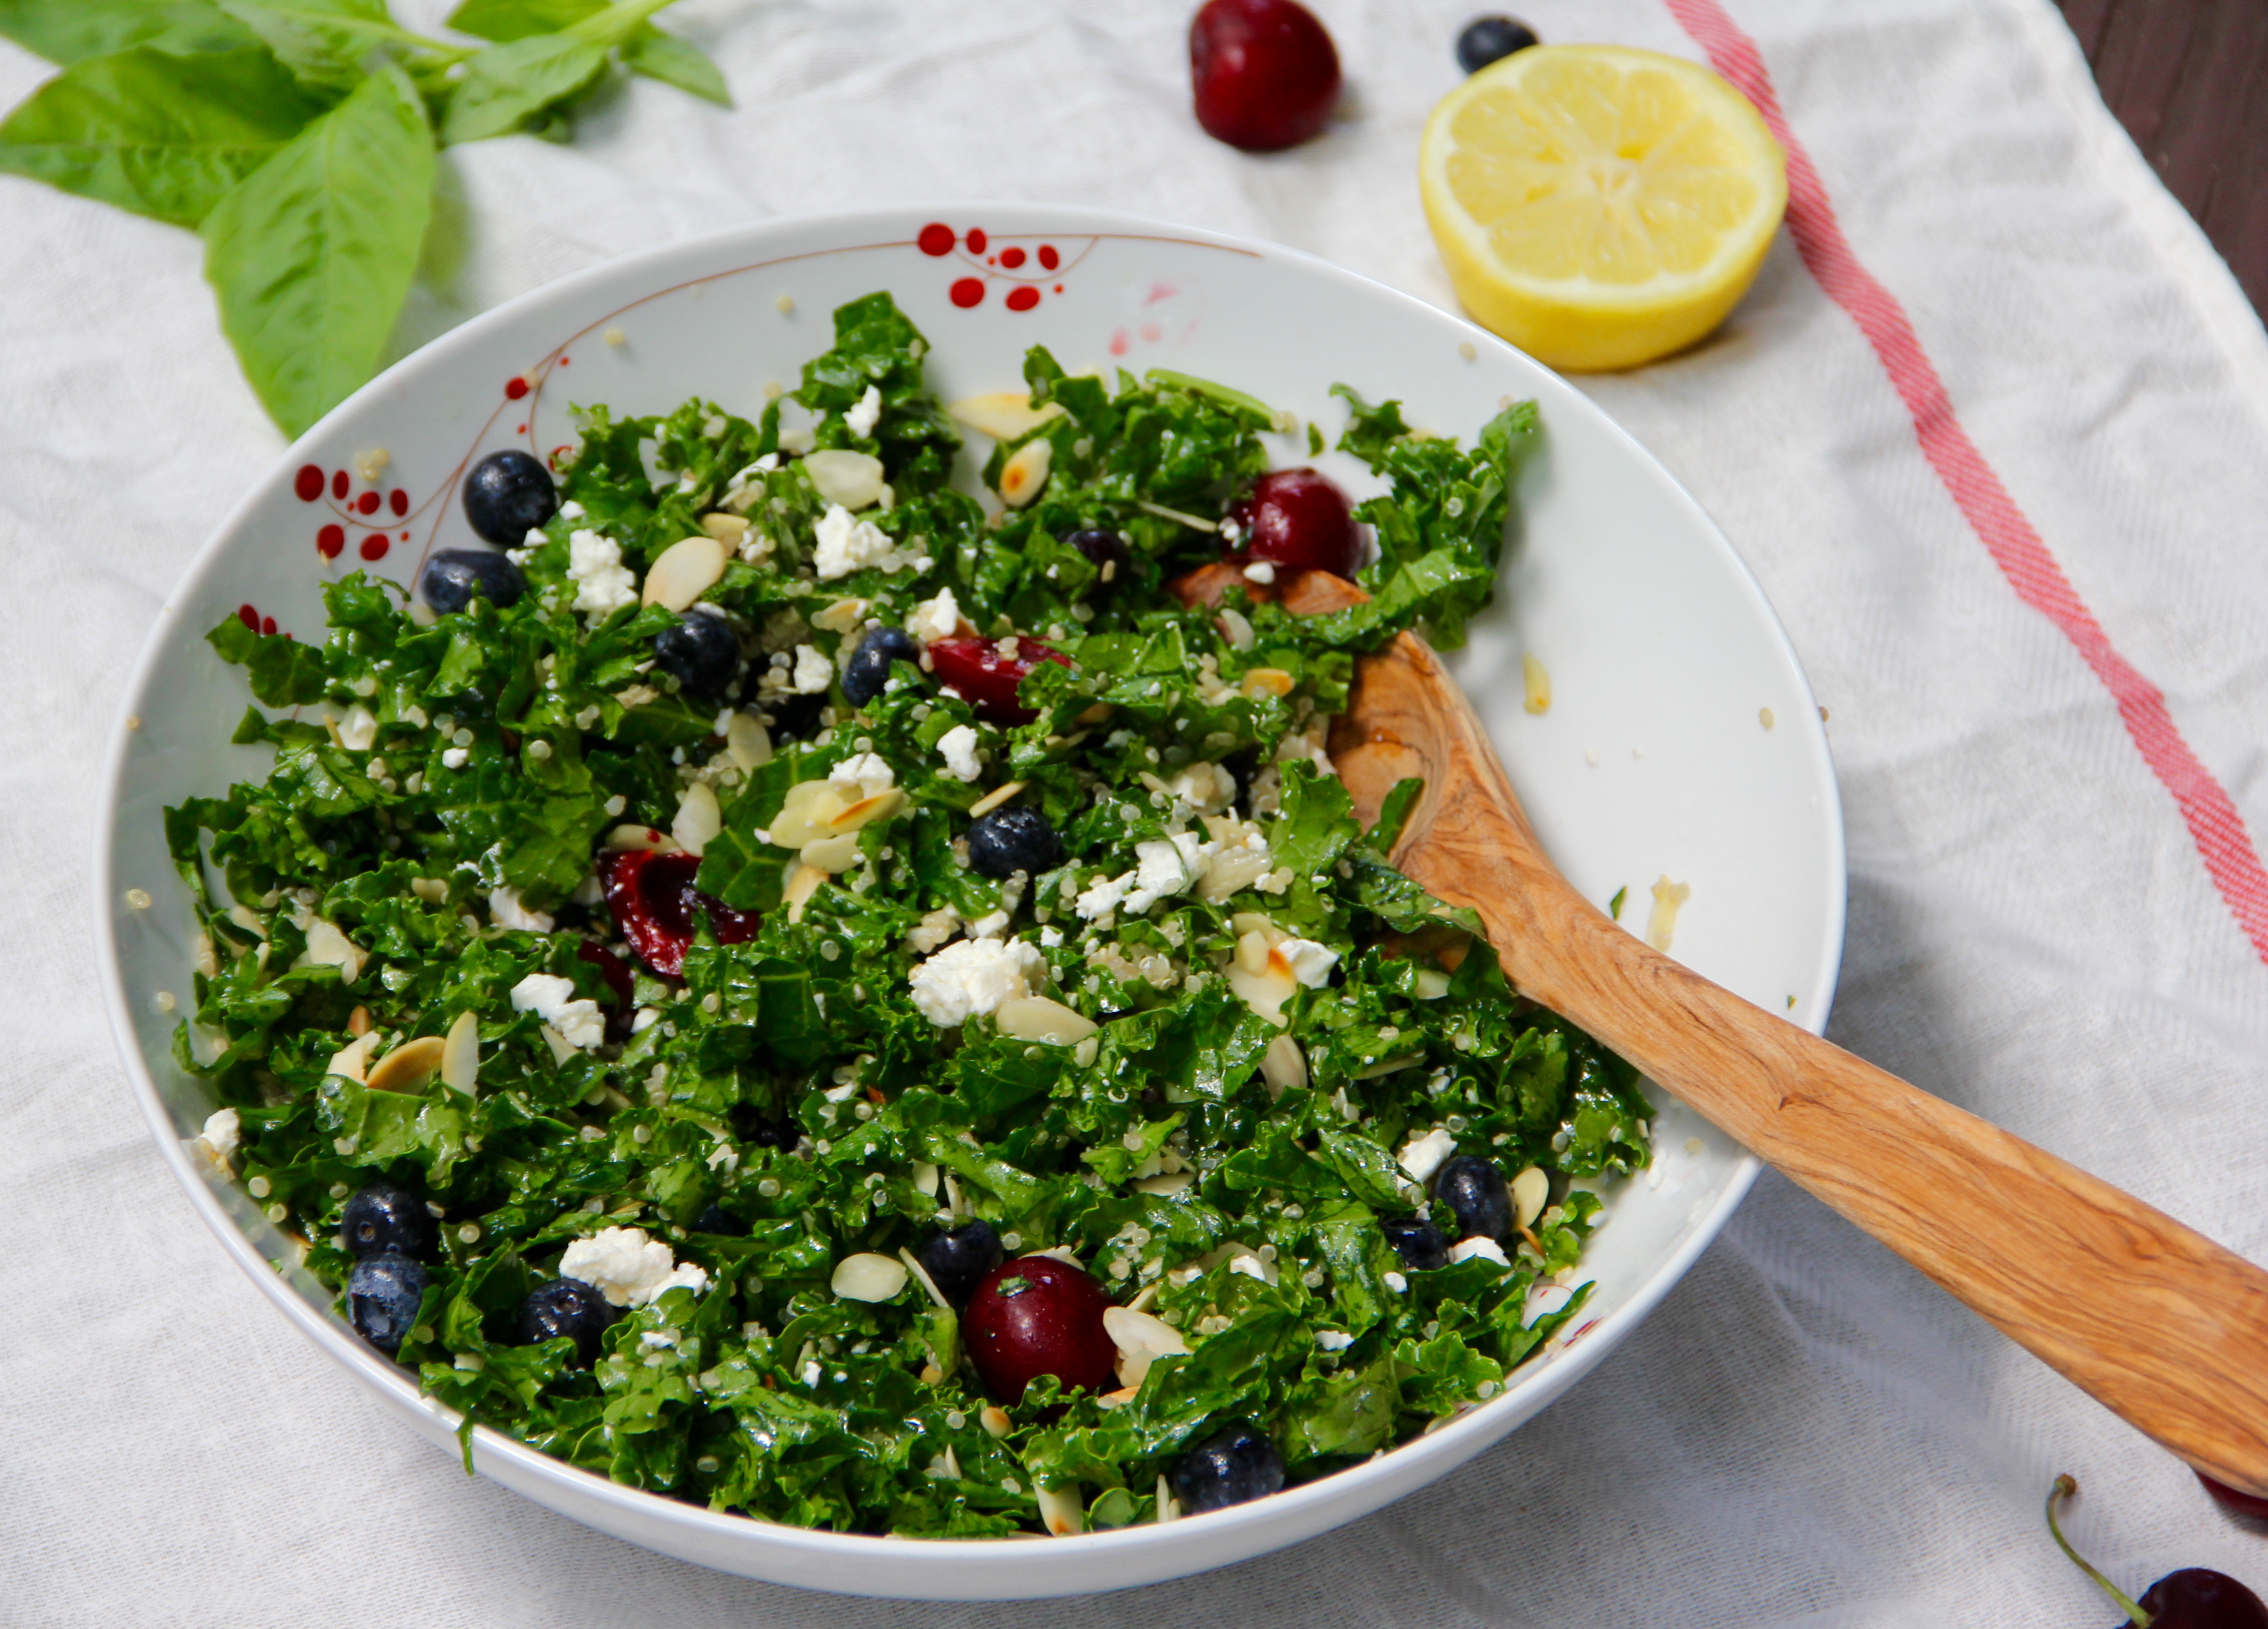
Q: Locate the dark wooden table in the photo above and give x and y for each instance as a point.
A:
(2189, 79)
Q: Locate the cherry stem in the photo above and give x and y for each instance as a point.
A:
(2063, 1488)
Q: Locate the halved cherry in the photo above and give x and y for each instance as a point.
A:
(987, 675)
(1039, 1316)
(1299, 517)
(655, 903)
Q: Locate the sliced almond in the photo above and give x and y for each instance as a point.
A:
(1265, 991)
(641, 839)
(746, 742)
(1025, 472)
(1165, 1186)
(830, 856)
(854, 480)
(357, 729)
(358, 1022)
(866, 810)
(1037, 1018)
(698, 819)
(352, 1060)
(562, 1050)
(1061, 1510)
(730, 530)
(432, 890)
(1141, 1339)
(1530, 1188)
(408, 1067)
(994, 798)
(841, 616)
(1003, 414)
(802, 883)
(1266, 681)
(461, 1053)
(868, 1277)
(327, 947)
(686, 570)
(994, 1420)
(807, 809)
(1283, 1066)
(1536, 682)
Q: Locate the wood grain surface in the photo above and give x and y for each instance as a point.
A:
(2154, 1319)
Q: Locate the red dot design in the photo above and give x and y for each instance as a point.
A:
(330, 540)
(367, 502)
(309, 486)
(515, 388)
(936, 238)
(250, 618)
(1048, 259)
(977, 240)
(268, 625)
(1012, 258)
(374, 545)
(400, 501)
(339, 486)
(1023, 298)
(967, 291)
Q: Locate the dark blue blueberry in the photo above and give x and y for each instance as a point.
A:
(454, 576)
(1107, 553)
(752, 1125)
(701, 651)
(1419, 1242)
(1475, 1194)
(1228, 1469)
(508, 494)
(382, 1296)
(1487, 40)
(1008, 841)
(870, 662)
(957, 1261)
(566, 1307)
(796, 717)
(385, 1219)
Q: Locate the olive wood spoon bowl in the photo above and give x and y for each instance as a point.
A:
(2158, 1322)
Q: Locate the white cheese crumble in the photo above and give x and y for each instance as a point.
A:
(603, 585)
(1394, 1281)
(506, 911)
(869, 772)
(1310, 963)
(935, 618)
(553, 999)
(847, 544)
(1484, 1250)
(958, 747)
(1169, 866)
(628, 1268)
(859, 420)
(972, 976)
(219, 1136)
(1104, 896)
(1421, 1157)
(455, 758)
(1333, 1339)
(571, 511)
(813, 672)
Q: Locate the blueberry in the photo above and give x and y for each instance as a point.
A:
(1419, 1242)
(796, 717)
(382, 1296)
(870, 663)
(566, 1307)
(508, 494)
(1487, 40)
(454, 577)
(1475, 1194)
(1228, 1469)
(1008, 841)
(752, 1125)
(957, 1261)
(1107, 553)
(716, 1219)
(701, 651)
(384, 1219)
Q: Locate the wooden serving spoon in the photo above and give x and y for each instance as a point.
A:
(2157, 1322)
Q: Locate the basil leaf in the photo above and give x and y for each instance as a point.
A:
(678, 62)
(651, 52)
(72, 31)
(501, 20)
(161, 134)
(313, 253)
(506, 86)
(327, 44)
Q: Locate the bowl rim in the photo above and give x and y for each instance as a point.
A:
(1337, 1499)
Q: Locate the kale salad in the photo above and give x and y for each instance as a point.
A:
(858, 1000)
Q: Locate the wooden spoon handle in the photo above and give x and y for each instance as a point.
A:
(2164, 1326)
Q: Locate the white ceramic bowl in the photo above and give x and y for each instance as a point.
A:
(1654, 758)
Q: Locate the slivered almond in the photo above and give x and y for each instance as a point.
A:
(408, 1067)
(1003, 414)
(994, 798)
(1025, 472)
(461, 1053)
(686, 570)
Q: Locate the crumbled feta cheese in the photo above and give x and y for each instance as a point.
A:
(869, 772)
(628, 1268)
(222, 1128)
(1311, 964)
(602, 583)
(972, 976)
(1421, 1157)
(1333, 1339)
(1484, 1250)
(506, 911)
(553, 999)
(1249, 1265)
(847, 544)
(935, 618)
(1104, 896)
(455, 758)
(1394, 1281)
(1167, 867)
(859, 420)
(814, 672)
(1050, 938)
(958, 747)
(989, 926)
(571, 511)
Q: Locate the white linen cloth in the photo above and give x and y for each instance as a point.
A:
(1807, 1433)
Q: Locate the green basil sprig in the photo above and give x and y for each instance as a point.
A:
(299, 137)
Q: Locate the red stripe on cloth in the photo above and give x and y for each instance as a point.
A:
(2024, 560)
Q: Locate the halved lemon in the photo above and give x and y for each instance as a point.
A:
(1599, 206)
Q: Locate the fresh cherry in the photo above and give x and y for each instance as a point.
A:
(1299, 517)
(988, 676)
(1265, 73)
(655, 903)
(2194, 1597)
(2231, 1499)
(1038, 1316)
